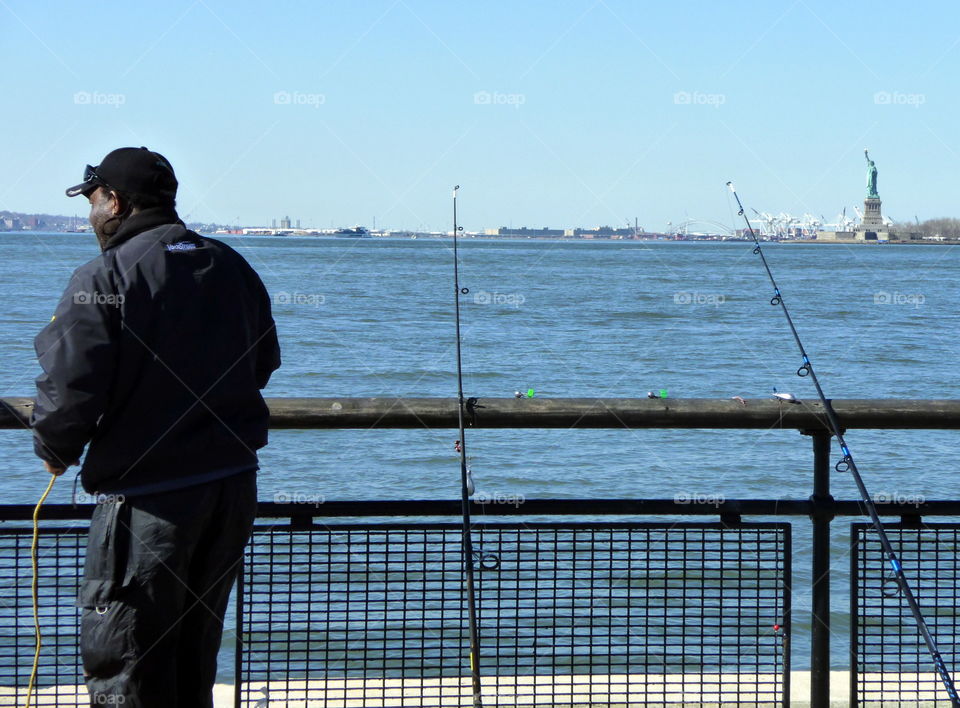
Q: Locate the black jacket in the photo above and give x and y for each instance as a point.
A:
(156, 356)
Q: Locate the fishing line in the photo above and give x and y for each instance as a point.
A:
(466, 483)
(846, 464)
(36, 587)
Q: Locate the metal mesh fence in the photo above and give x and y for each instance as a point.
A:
(60, 556)
(892, 666)
(569, 614)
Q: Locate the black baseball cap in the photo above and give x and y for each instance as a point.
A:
(130, 170)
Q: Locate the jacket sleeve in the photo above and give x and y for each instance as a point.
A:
(77, 352)
(268, 345)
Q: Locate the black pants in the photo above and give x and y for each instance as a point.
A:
(157, 577)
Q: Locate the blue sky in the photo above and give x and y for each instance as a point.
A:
(546, 113)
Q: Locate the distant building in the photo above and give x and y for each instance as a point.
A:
(524, 232)
(835, 236)
(545, 232)
(285, 222)
(604, 232)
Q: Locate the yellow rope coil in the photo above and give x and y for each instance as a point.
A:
(36, 586)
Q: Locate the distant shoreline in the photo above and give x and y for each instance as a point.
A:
(520, 239)
(858, 242)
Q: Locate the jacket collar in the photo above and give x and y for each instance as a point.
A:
(143, 221)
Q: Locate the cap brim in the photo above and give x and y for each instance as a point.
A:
(83, 188)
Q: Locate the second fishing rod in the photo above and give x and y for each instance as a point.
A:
(466, 483)
(846, 464)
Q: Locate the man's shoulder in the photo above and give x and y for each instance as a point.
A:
(164, 233)
(149, 249)
(135, 252)
(229, 254)
(170, 234)
(221, 246)
(91, 270)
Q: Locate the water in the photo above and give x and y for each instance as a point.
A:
(594, 319)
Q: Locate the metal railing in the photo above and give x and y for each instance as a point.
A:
(60, 555)
(569, 614)
(614, 413)
(886, 649)
(294, 656)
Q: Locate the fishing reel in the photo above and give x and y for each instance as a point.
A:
(485, 560)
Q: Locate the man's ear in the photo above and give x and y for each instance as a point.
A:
(118, 205)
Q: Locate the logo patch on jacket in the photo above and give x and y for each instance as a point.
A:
(182, 246)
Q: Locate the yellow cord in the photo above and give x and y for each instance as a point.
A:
(36, 585)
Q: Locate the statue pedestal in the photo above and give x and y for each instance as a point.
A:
(871, 228)
(872, 219)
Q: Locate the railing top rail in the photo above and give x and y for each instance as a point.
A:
(611, 413)
(723, 508)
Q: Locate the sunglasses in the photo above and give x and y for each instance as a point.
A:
(90, 175)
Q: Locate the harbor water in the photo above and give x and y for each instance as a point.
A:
(374, 317)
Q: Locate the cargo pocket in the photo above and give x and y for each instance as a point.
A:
(105, 646)
(103, 627)
(105, 564)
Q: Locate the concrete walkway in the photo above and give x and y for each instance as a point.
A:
(538, 691)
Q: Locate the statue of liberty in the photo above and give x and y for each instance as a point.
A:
(871, 177)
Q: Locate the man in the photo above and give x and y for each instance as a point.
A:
(155, 356)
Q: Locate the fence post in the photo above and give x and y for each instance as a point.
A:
(822, 515)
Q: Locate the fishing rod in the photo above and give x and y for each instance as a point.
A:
(846, 464)
(466, 486)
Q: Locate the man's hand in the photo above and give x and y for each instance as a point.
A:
(55, 471)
